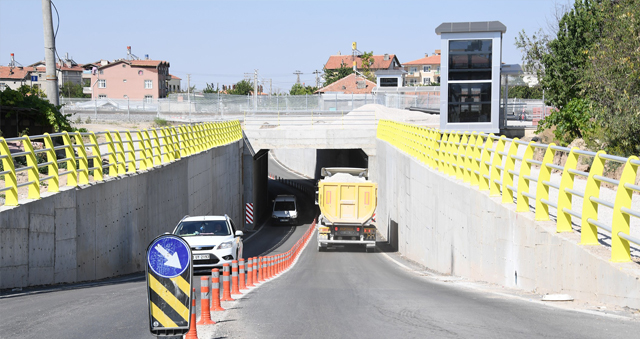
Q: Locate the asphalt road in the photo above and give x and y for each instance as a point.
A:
(117, 308)
(342, 293)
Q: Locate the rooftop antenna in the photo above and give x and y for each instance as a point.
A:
(13, 62)
(130, 55)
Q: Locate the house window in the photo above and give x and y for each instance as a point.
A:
(388, 82)
(102, 83)
(412, 70)
(2, 86)
(148, 98)
(101, 72)
(426, 81)
(426, 68)
(148, 84)
(124, 80)
(140, 72)
(102, 96)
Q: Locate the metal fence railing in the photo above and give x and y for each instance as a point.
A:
(507, 168)
(223, 106)
(92, 156)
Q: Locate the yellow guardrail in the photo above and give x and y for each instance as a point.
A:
(489, 162)
(121, 152)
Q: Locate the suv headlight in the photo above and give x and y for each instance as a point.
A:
(226, 244)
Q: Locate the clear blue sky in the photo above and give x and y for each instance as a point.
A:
(219, 41)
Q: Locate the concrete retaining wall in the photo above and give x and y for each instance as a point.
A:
(453, 228)
(301, 160)
(102, 230)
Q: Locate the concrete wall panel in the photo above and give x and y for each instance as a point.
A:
(453, 228)
(102, 230)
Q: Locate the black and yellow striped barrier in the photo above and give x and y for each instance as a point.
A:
(169, 273)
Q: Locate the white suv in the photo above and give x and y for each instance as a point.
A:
(214, 240)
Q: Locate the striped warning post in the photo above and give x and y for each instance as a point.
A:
(249, 214)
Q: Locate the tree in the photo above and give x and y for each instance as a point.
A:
(210, 89)
(71, 90)
(298, 89)
(559, 63)
(30, 103)
(367, 62)
(243, 87)
(333, 75)
(611, 78)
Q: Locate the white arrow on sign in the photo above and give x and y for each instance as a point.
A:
(172, 259)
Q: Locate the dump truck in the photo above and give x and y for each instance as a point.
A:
(347, 201)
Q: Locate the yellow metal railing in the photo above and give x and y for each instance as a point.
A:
(490, 162)
(120, 153)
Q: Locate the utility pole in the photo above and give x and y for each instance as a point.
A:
(317, 81)
(189, 94)
(298, 74)
(255, 90)
(51, 84)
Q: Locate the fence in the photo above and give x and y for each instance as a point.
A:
(493, 164)
(121, 152)
(224, 106)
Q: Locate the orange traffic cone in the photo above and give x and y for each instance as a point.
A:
(215, 290)
(193, 331)
(205, 316)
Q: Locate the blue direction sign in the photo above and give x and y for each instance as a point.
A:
(168, 256)
(169, 274)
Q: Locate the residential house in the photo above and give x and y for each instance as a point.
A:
(174, 84)
(351, 84)
(13, 77)
(380, 62)
(132, 79)
(423, 71)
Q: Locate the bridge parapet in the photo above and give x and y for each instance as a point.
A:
(90, 156)
(569, 243)
(505, 167)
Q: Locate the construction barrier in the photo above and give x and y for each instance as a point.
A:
(259, 269)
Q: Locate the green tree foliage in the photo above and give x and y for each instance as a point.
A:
(71, 90)
(571, 124)
(27, 101)
(333, 75)
(210, 89)
(367, 62)
(591, 72)
(525, 92)
(611, 78)
(298, 89)
(243, 87)
(559, 62)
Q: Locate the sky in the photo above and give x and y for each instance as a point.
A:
(219, 41)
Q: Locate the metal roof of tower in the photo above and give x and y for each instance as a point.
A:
(471, 27)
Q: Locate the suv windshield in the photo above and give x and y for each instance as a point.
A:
(202, 227)
(284, 206)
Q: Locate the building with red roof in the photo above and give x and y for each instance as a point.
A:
(380, 62)
(423, 71)
(351, 84)
(13, 77)
(130, 79)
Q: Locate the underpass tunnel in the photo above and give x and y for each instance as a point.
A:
(267, 173)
